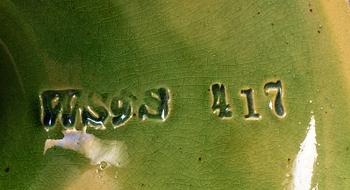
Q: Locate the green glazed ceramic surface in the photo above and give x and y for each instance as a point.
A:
(130, 50)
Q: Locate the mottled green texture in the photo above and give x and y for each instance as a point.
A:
(108, 46)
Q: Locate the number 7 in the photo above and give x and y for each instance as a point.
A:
(278, 104)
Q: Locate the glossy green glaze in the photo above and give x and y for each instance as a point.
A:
(133, 46)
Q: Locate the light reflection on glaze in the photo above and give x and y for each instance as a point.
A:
(97, 150)
(305, 160)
